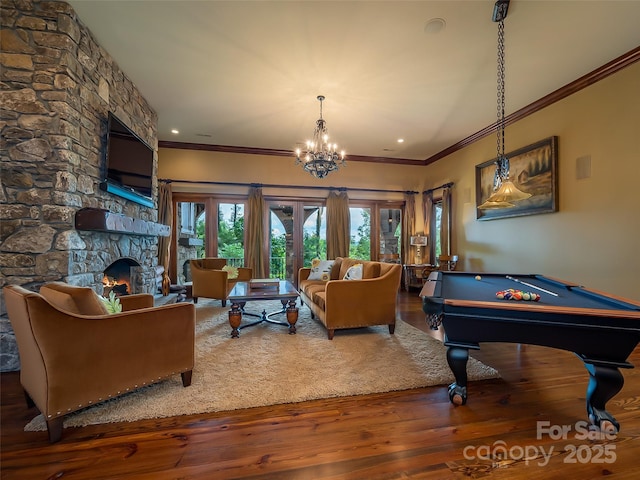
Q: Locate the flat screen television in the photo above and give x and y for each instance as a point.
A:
(128, 170)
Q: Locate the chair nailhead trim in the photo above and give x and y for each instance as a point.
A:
(110, 395)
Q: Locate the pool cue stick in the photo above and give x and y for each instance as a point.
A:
(532, 286)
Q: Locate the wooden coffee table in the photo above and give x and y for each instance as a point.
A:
(243, 293)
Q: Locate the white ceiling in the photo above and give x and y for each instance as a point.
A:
(247, 73)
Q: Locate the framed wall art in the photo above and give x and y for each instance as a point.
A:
(533, 169)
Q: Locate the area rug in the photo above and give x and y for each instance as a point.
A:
(267, 366)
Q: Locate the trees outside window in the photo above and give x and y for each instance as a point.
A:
(231, 233)
(360, 245)
(314, 234)
(437, 216)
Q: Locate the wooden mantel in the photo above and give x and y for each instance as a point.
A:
(100, 220)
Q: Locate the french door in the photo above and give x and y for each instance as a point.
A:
(213, 226)
(297, 235)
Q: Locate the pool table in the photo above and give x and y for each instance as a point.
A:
(601, 329)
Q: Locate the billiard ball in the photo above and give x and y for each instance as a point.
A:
(478, 277)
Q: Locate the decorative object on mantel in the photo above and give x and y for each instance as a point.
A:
(321, 157)
(537, 165)
(419, 241)
(505, 192)
(101, 220)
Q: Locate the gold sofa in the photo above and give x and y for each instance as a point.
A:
(339, 303)
(210, 281)
(73, 354)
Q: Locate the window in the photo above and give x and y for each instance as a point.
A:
(191, 237)
(390, 233)
(281, 241)
(231, 233)
(217, 229)
(360, 245)
(437, 241)
(314, 234)
(187, 217)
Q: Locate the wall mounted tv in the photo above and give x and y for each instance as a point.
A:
(128, 169)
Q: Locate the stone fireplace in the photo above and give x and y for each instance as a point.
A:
(59, 86)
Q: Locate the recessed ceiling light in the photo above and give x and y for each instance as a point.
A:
(435, 25)
(401, 140)
(174, 131)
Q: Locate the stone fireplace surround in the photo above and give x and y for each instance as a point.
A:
(58, 87)
(111, 238)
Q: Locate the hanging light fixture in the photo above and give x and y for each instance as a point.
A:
(505, 192)
(321, 157)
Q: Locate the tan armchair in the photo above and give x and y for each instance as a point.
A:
(73, 354)
(210, 281)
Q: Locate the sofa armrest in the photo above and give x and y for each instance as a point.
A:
(303, 274)
(244, 274)
(136, 301)
(362, 302)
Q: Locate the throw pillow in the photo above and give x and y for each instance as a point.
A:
(320, 269)
(232, 272)
(77, 300)
(354, 272)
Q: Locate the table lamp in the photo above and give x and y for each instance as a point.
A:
(419, 241)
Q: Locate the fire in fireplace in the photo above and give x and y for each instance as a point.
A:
(120, 277)
(119, 286)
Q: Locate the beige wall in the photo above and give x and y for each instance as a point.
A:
(592, 239)
(233, 167)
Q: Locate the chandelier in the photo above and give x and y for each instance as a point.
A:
(321, 157)
(505, 191)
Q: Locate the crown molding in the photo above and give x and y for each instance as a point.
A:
(277, 153)
(601, 73)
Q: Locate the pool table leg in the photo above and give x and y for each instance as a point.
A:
(604, 383)
(457, 359)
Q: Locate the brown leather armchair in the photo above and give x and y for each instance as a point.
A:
(73, 354)
(210, 281)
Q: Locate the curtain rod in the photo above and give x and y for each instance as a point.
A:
(444, 185)
(271, 185)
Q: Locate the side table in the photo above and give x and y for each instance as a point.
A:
(416, 274)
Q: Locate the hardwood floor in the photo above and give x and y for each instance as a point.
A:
(409, 434)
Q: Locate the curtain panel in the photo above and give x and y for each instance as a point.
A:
(338, 225)
(445, 222)
(408, 226)
(427, 213)
(165, 216)
(255, 236)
